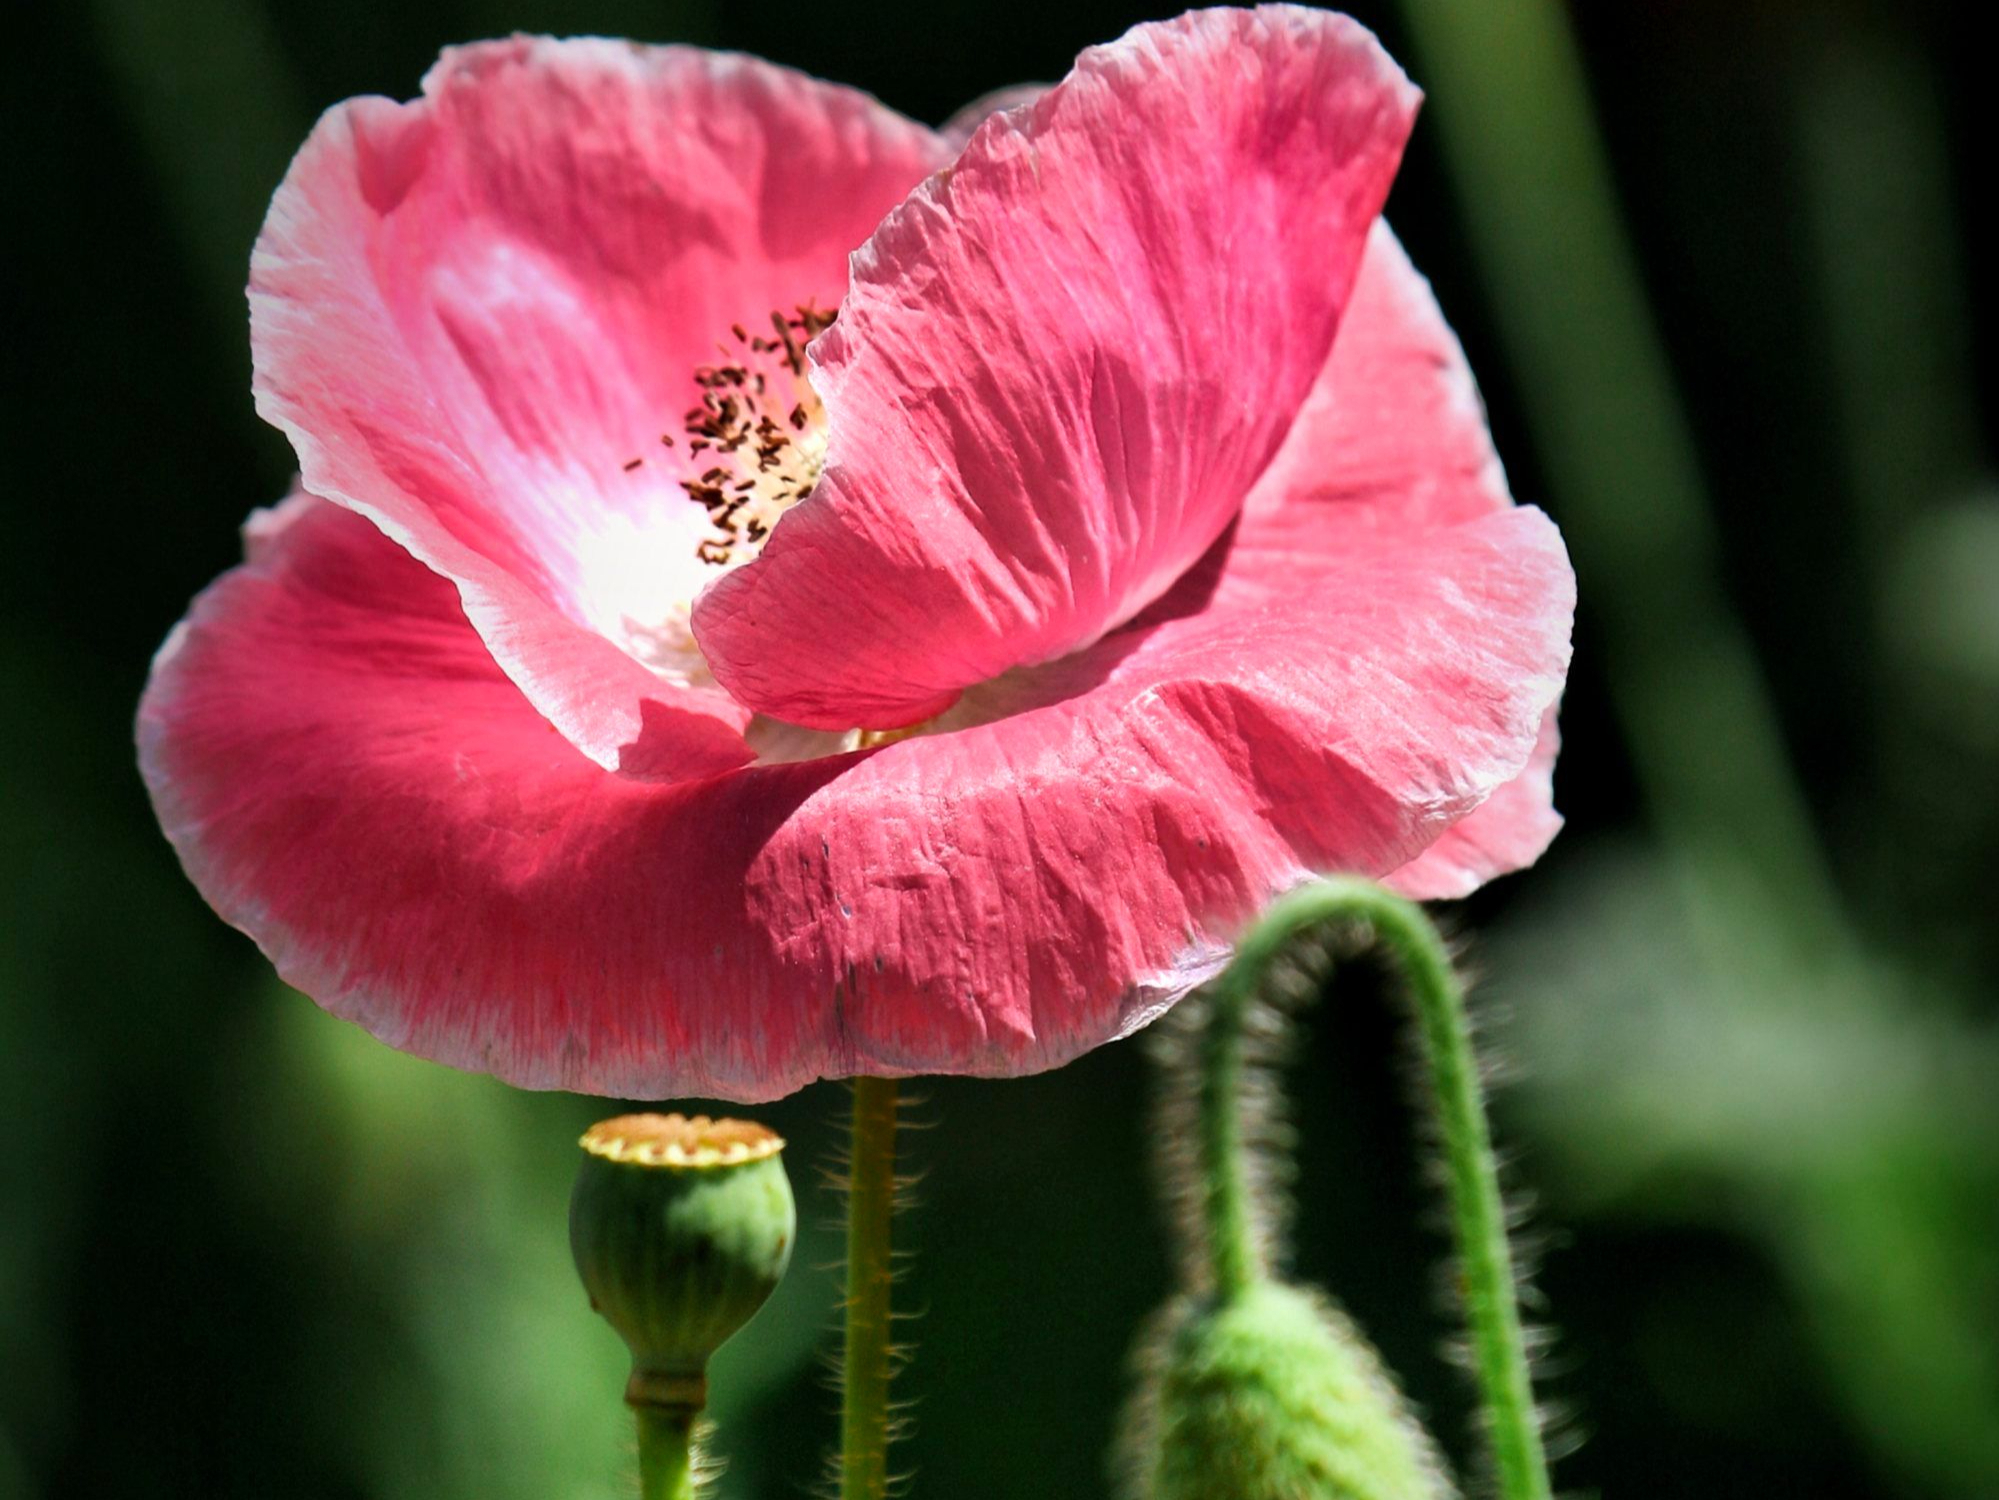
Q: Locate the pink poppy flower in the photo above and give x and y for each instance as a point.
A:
(652, 690)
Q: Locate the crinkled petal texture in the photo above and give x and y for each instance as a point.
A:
(1392, 441)
(470, 312)
(350, 778)
(1352, 665)
(1508, 831)
(1062, 364)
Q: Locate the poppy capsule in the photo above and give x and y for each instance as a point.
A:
(1272, 1395)
(681, 1229)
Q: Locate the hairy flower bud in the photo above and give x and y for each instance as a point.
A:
(681, 1229)
(1271, 1395)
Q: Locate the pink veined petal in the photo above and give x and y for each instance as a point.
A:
(1402, 683)
(351, 779)
(1392, 436)
(1391, 442)
(471, 312)
(1063, 363)
(1508, 831)
(963, 125)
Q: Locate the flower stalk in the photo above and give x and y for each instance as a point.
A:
(868, 1355)
(1486, 1277)
(666, 1454)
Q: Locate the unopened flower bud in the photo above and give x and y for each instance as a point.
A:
(1271, 1395)
(681, 1229)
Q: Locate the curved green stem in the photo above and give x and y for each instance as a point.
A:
(868, 1358)
(1485, 1260)
(1235, 1261)
(666, 1460)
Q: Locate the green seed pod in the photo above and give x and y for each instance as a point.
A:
(681, 1230)
(1271, 1395)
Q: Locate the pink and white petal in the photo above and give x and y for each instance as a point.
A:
(1117, 817)
(1426, 666)
(1392, 441)
(1508, 831)
(1063, 363)
(472, 311)
(1392, 437)
(350, 779)
(963, 125)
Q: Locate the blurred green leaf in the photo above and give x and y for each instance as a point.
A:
(1860, 1139)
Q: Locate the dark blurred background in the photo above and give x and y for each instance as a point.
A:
(1717, 267)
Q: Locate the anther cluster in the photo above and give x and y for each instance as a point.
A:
(760, 429)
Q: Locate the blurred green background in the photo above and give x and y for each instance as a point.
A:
(1716, 265)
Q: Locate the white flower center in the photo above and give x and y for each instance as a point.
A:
(749, 451)
(759, 434)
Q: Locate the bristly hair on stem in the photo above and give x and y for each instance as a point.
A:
(1224, 1139)
(870, 1357)
(1558, 1421)
(676, 1460)
(1268, 1039)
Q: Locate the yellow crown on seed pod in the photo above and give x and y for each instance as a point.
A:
(680, 1141)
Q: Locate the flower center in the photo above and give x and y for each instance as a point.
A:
(759, 434)
(747, 452)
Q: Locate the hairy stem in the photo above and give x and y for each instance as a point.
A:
(666, 1462)
(1485, 1260)
(1235, 1260)
(866, 1365)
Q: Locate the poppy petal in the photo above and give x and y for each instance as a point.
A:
(351, 779)
(1063, 362)
(476, 314)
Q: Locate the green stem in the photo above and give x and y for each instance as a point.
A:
(666, 1460)
(1235, 1260)
(867, 1364)
(1485, 1260)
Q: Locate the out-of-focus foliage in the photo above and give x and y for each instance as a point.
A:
(246, 1251)
(1855, 1137)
